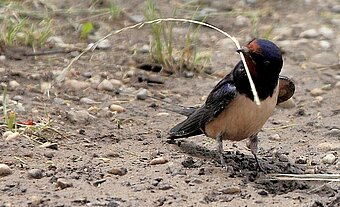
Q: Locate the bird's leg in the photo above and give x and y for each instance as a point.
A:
(219, 140)
(253, 148)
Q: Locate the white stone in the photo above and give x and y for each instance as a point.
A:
(317, 92)
(325, 44)
(327, 33)
(76, 85)
(117, 108)
(311, 33)
(105, 85)
(329, 159)
(104, 45)
(5, 170)
(13, 84)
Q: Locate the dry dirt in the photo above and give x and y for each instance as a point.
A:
(91, 150)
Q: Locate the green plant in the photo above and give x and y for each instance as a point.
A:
(23, 32)
(86, 29)
(162, 48)
(157, 46)
(254, 25)
(36, 35)
(4, 105)
(114, 10)
(9, 116)
(13, 27)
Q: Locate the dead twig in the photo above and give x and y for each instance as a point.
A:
(307, 177)
(139, 25)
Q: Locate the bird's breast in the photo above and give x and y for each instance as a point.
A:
(241, 118)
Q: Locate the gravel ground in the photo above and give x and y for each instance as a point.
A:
(105, 144)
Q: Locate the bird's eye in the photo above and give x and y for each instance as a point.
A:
(266, 62)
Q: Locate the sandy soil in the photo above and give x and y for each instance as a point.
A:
(102, 158)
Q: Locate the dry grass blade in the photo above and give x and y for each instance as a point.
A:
(307, 177)
(61, 77)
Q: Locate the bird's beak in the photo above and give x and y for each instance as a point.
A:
(244, 50)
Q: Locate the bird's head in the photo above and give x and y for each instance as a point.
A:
(264, 59)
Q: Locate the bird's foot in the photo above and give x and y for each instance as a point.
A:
(223, 163)
(259, 167)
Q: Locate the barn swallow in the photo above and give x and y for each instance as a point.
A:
(229, 112)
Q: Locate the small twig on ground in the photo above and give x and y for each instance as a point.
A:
(280, 127)
(139, 25)
(307, 177)
(319, 187)
(20, 160)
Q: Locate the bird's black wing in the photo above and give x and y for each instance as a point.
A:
(217, 101)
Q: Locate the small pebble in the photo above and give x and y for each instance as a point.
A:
(63, 183)
(35, 173)
(275, 137)
(116, 108)
(87, 74)
(327, 146)
(35, 201)
(164, 186)
(58, 101)
(81, 116)
(317, 92)
(327, 32)
(104, 44)
(116, 83)
(50, 145)
(329, 159)
(283, 158)
(88, 101)
(13, 84)
(12, 137)
(188, 74)
(74, 53)
(56, 40)
(158, 161)
(334, 133)
(231, 190)
(137, 18)
(105, 85)
(75, 85)
(118, 171)
(6, 134)
(337, 85)
(301, 160)
(17, 98)
(263, 193)
(5, 170)
(325, 44)
(311, 33)
(144, 49)
(336, 8)
(49, 154)
(310, 171)
(327, 87)
(318, 100)
(142, 94)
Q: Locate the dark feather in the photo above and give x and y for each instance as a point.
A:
(217, 101)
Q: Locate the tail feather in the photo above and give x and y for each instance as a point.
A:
(189, 127)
